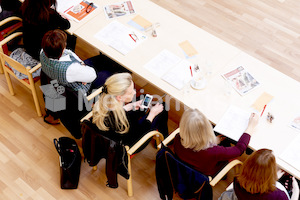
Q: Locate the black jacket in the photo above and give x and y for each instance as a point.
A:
(97, 145)
(171, 174)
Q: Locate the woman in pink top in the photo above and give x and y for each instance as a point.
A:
(197, 145)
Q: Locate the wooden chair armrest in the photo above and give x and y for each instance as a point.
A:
(4, 21)
(169, 138)
(35, 68)
(87, 117)
(94, 94)
(224, 171)
(143, 140)
(10, 37)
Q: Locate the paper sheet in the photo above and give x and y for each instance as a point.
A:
(291, 154)
(261, 101)
(179, 75)
(120, 37)
(233, 123)
(188, 48)
(161, 63)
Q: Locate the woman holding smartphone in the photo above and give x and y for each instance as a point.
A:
(123, 119)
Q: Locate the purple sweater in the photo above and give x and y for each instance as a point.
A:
(242, 194)
(211, 160)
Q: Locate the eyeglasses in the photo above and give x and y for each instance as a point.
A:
(89, 7)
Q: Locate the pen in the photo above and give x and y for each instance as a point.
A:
(263, 110)
(132, 37)
(191, 71)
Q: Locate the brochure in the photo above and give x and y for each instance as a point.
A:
(119, 9)
(81, 10)
(295, 123)
(241, 80)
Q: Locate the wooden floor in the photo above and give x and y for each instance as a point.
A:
(29, 167)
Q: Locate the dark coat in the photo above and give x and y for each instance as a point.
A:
(97, 144)
(171, 173)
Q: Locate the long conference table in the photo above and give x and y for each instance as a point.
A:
(211, 100)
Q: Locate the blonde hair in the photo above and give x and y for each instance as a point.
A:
(259, 172)
(116, 85)
(196, 131)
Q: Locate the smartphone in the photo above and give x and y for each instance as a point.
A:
(147, 101)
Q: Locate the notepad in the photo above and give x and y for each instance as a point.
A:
(261, 101)
(142, 21)
(188, 48)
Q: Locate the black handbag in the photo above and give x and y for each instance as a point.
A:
(70, 162)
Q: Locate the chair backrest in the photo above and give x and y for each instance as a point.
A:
(9, 25)
(186, 181)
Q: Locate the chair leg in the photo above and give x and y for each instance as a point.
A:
(129, 181)
(9, 84)
(36, 100)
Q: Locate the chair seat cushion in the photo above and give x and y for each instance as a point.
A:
(35, 79)
(26, 60)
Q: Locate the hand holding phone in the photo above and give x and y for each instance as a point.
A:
(147, 101)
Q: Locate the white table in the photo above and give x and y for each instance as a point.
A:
(211, 101)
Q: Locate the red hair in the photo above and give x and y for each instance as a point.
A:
(259, 172)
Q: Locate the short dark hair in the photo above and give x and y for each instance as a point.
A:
(54, 42)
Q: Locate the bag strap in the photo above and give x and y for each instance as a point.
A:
(57, 146)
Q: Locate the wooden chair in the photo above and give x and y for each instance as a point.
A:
(29, 82)
(9, 27)
(130, 150)
(220, 175)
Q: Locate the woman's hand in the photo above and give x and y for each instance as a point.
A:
(253, 121)
(133, 106)
(154, 111)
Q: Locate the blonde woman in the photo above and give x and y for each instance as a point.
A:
(116, 113)
(197, 145)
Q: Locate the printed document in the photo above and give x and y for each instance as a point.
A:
(233, 123)
(179, 75)
(291, 154)
(80, 11)
(120, 37)
(163, 62)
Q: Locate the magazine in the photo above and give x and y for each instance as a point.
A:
(241, 80)
(119, 9)
(81, 10)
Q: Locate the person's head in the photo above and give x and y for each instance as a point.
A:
(54, 42)
(196, 131)
(34, 11)
(259, 172)
(117, 90)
